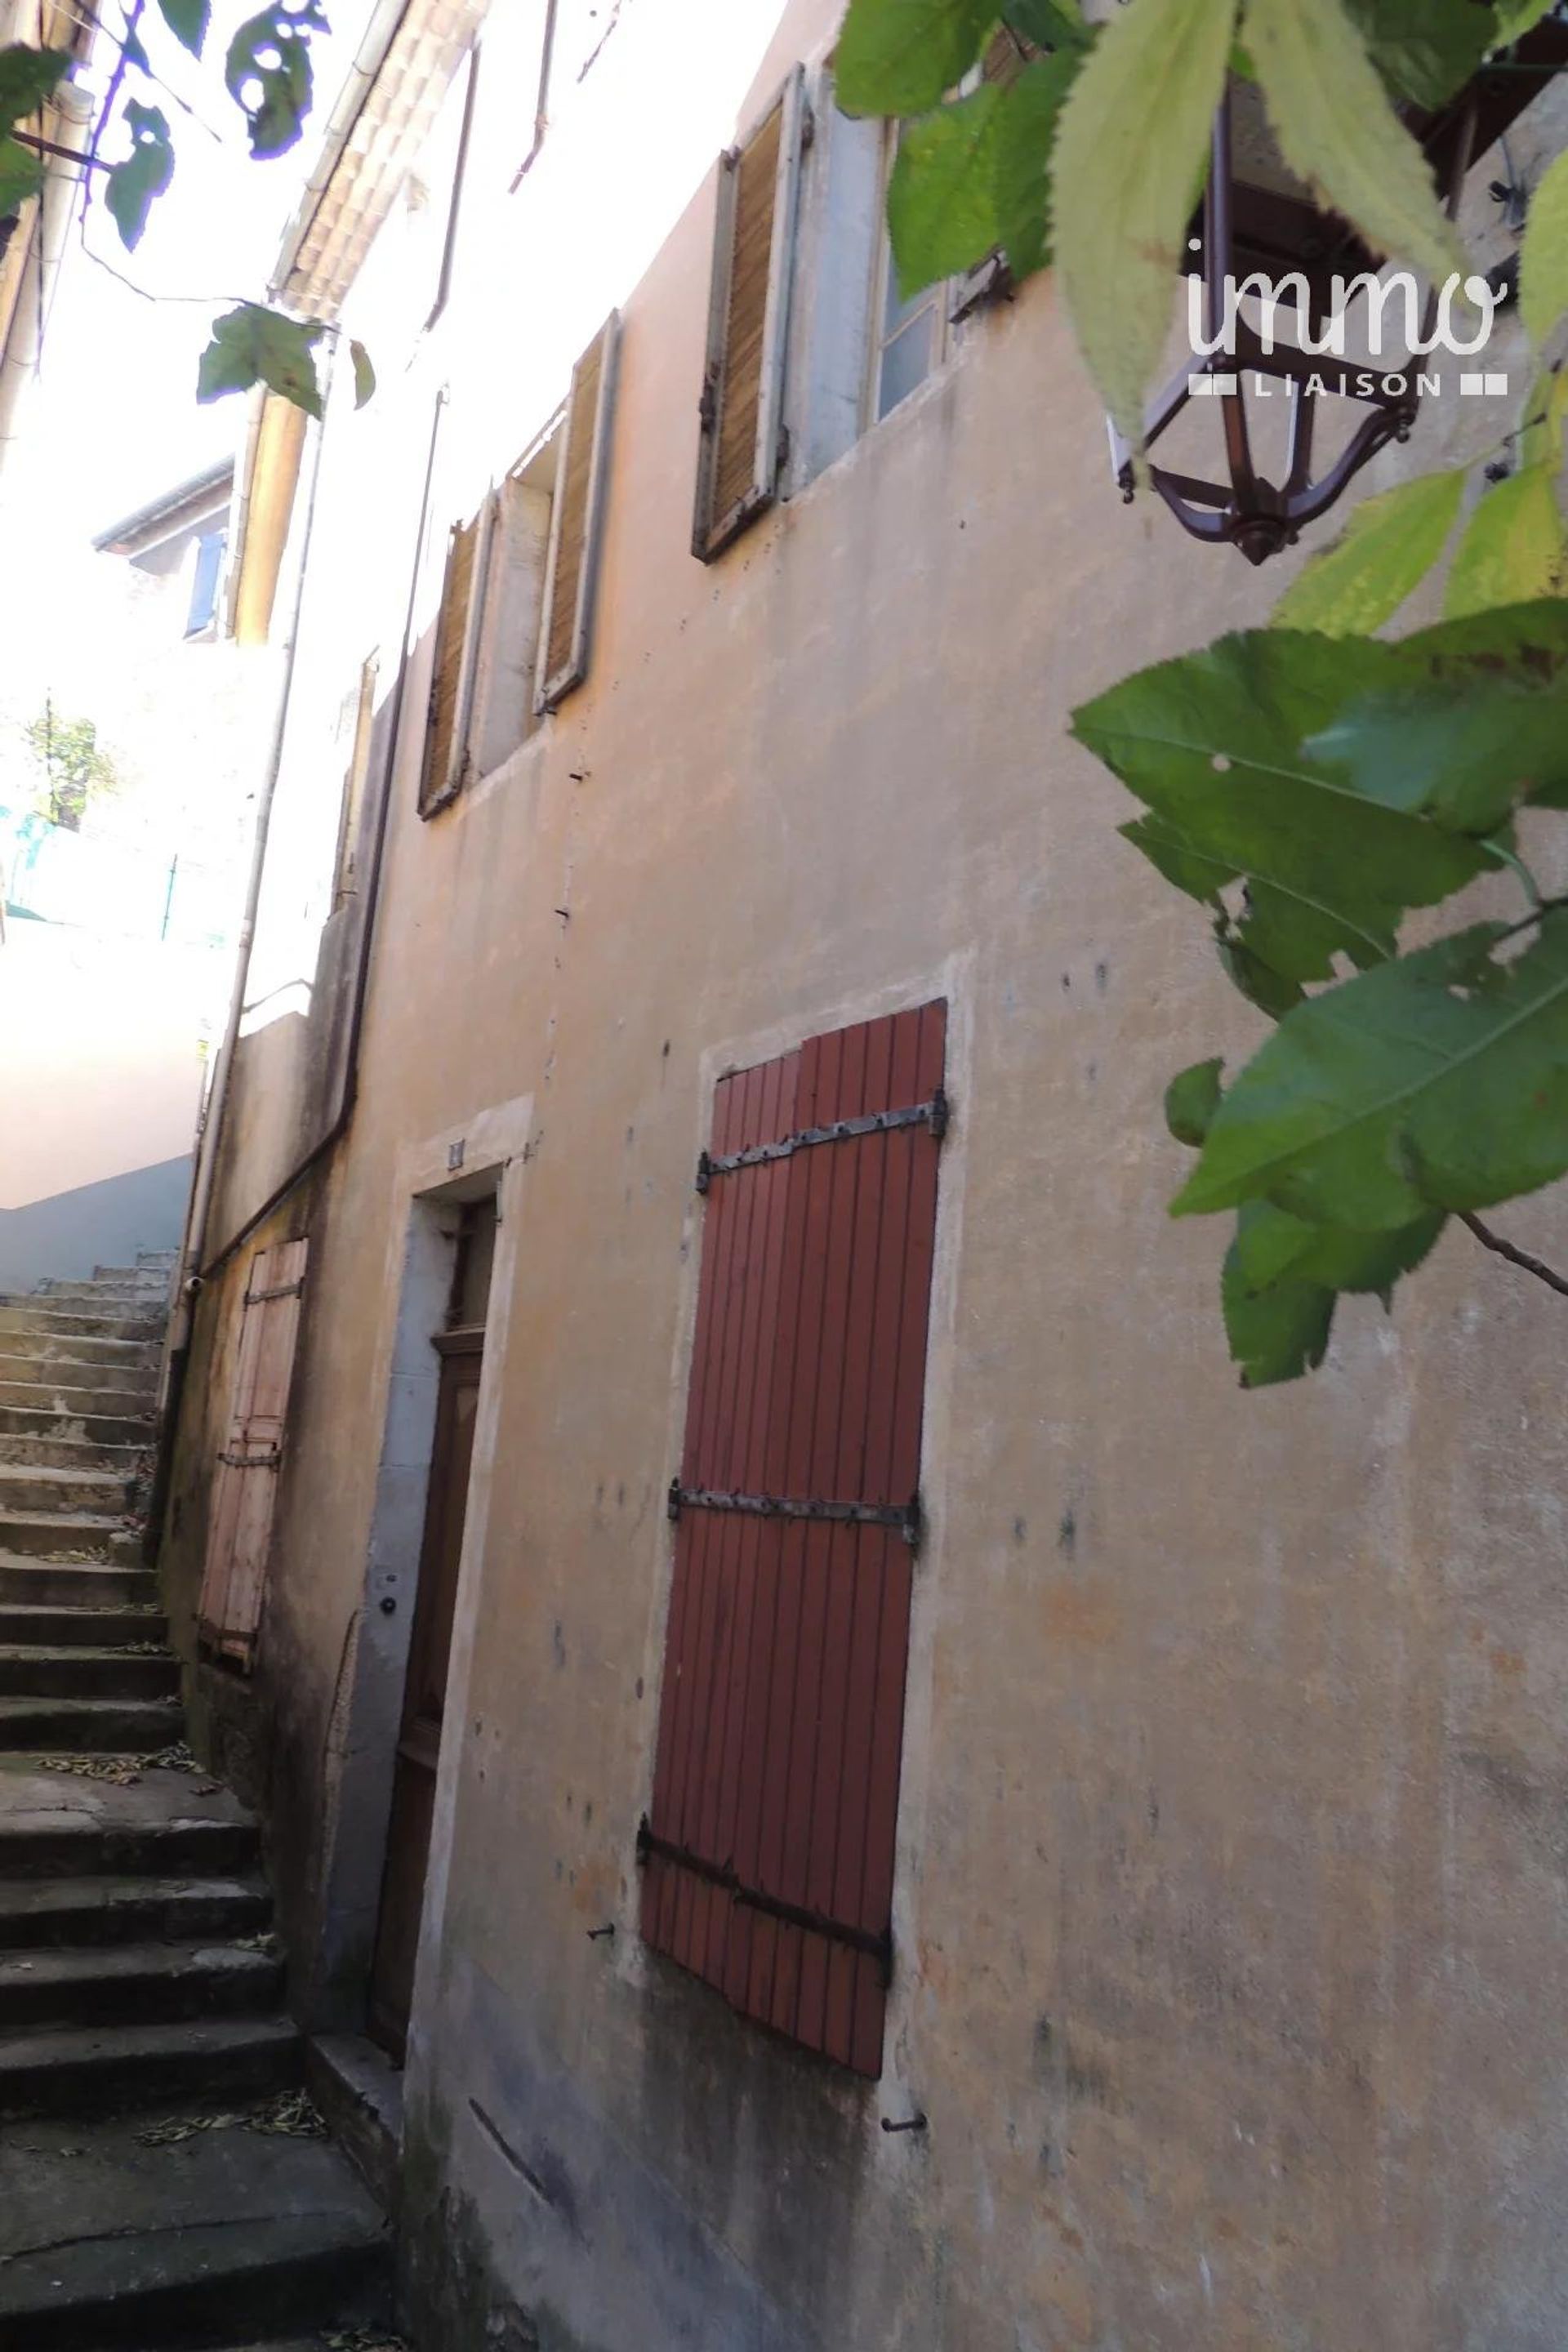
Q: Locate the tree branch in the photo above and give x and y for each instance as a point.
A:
(1515, 1256)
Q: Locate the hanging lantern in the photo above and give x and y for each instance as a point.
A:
(1257, 222)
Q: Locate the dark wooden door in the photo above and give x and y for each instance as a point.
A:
(424, 1692)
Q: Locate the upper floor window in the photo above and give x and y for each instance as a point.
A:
(206, 573)
(908, 334)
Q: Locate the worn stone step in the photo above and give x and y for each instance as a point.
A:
(30, 1582)
(103, 2070)
(80, 1628)
(82, 1429)
(49, 1671)
(136, 1984)
(20, 1317)
(88, 1727)
(27, 1450)
(58, 1825)
(44, 1913)
(68, 1401)
(130, 1357)
(29, 1363)
(31, 1486)
(78, 1534)
(230, 2237)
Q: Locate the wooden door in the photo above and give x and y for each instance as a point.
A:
(424, 1691)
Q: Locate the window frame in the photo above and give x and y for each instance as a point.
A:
(551, 688)
(435, 797)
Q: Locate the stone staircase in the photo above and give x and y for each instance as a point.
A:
(162, 2182)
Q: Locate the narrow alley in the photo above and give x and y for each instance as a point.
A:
(164, 2178)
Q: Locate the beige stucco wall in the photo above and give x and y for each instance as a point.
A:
(1232, 1951)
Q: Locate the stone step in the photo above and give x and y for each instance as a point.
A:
(76, 1534)
(228, 2238)
(136, 1984)
(131, 1357)
(67, 1401)
(88, 1727)
(96, 1298)
(80, 1628)
(28, 1487)
(82, 1429)
(44, 1913)
(35, 1671)
(29, 1365)
(25, 1450)
(20, 1317)
(103, 2070)
(28, 1582)
(58, 1825)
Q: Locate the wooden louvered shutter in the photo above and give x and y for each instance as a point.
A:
(245, 1488)
(743, 391)
(769, 1848)
(457, 629)
(576, 516)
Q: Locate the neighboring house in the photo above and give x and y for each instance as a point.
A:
(115, 959)
(882, 1803)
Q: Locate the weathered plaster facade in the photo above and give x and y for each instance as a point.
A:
(1232, 1951)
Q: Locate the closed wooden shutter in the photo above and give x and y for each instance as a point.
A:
(742, 393)
(577, 518)
(769, 1848)
(245, 1488)
(457, 629)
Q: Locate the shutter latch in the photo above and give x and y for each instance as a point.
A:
(708, 406)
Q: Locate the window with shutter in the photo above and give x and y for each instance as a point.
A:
(576, 519)
(768, 1851)
(245, 1487)
(743, 391)
(457, 627)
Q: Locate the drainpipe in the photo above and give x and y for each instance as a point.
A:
(71, 111)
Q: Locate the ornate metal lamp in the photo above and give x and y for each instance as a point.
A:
(1256, 221)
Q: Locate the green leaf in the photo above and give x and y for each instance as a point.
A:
(1212, 743)
(1385, 552)
(145, 173)
(942, 214)
(27, 77)
(1276, 1334)
(1025, 139)
(1543, 257)
(364, 375)
(1543, 422)
(267, 73)
(1192, 1099)
(1512, 548)
(1049, 24)
(1337, 131)
(1517, 18)
(1438, 1081)
(1129, 165)
(21, 176)
(1424, 52)
(902, 57)
(1257, 982)
(253, 345)
(187, 20)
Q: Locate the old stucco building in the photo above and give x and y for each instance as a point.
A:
(1120, 1903)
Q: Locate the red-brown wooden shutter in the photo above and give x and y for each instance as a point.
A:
(245, 1488)
(769, 1849)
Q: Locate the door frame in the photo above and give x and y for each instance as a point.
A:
(432, 1182)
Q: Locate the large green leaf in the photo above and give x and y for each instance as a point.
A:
(1338, 130)
(21, 176)
(187, 20)
(902, 57)
(1026, 131)
(1283, 1278)
(1512, 548)
(268, 74)
(1517, 18)
(1439, 1080)
(1385, 552)
(27, 77)
(1276, 1334)
(974, 178)
(1543, 257)
(254, 345)
(145, 173)
(1049, 24)
(1424, 51)
(1212, 743)
(1130, 159)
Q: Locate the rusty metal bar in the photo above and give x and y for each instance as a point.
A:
(905, 1517)
(932, 1114)
(723, 1875)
